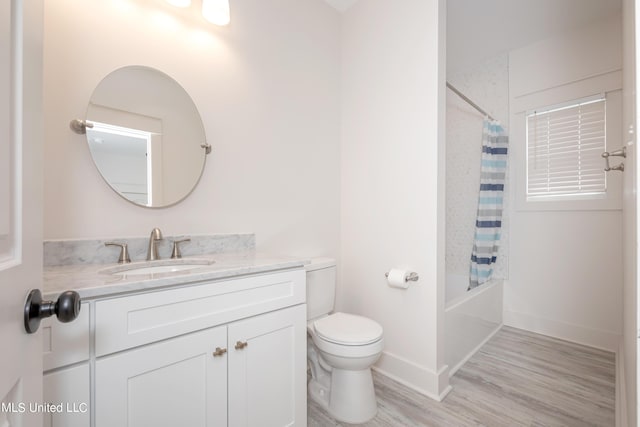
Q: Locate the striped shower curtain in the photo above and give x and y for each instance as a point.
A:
(489, 218)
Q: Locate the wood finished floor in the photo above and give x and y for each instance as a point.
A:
(517, 379)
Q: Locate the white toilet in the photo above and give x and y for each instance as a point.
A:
(341, 348)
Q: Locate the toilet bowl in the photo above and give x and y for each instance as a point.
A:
(341, 348)
(340, 364)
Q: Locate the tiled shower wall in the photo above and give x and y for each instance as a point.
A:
(487, 84)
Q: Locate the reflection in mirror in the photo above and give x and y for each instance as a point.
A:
(121, 155)
(146, 136)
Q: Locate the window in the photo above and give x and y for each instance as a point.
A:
(564, 147)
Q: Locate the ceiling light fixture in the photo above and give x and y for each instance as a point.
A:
(179, 3)
(216, 11)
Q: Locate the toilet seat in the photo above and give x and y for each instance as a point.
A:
(348, 329)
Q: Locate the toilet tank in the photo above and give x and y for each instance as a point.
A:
(321, 286)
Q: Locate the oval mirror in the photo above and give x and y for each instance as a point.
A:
(146, 136)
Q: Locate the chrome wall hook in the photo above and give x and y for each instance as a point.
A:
(80, 126)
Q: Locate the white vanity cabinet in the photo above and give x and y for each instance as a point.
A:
(254, 367)
(69, 390)
(225, 353)
(268, 369)
(66, 386)
(178, 382)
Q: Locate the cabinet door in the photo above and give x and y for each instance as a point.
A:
(178, 382)
(68, 393)
(267, 370)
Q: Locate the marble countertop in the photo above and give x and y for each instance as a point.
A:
(90, 282)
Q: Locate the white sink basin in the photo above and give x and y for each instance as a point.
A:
(156, 267)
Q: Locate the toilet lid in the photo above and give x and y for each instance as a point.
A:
(348, 329)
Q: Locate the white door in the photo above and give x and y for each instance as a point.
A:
(20, 207)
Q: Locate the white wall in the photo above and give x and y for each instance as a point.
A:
(390, 180)
(267, 88)
(487, 84)
(566, 265)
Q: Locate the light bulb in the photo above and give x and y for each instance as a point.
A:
(179, 3)
(216, 11)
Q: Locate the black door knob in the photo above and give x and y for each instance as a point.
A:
(66, 309)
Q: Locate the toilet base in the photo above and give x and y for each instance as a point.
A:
(350, 396)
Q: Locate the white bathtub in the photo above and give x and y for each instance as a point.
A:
(471, 318)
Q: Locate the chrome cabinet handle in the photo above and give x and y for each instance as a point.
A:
(240, 345)
(219, 352)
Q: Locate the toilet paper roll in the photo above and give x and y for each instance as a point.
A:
(398, 278)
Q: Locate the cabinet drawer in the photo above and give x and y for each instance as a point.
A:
(131, 321)
(65, 343)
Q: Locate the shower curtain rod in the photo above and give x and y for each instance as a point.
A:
(468, 101)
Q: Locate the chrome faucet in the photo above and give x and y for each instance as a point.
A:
(152, 252)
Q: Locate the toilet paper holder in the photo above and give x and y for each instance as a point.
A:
(413, 276)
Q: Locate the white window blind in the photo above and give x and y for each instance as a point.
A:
(564, 147)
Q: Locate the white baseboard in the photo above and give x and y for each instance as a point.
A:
(603, 340)
(434, 385)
